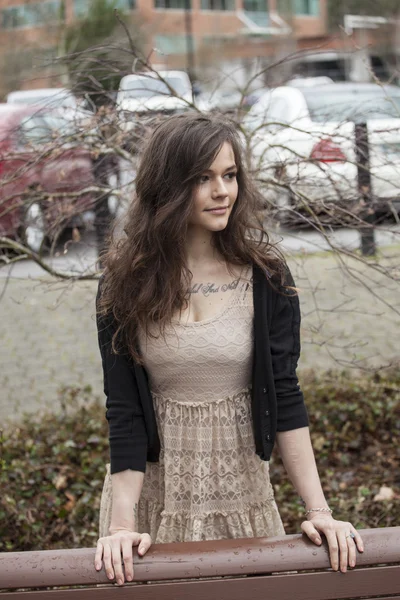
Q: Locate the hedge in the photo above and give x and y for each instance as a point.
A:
(53, 465)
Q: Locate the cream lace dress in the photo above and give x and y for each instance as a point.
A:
(209, 483)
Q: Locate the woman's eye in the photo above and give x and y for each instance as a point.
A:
(204, 178)
(231, 175)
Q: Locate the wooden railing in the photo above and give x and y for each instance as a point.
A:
(286, 568)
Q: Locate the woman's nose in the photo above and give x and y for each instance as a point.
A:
(220, 189)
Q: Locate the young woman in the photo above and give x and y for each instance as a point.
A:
(198, 322)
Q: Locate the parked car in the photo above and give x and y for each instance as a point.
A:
(145, 94)
(306, 136)
(42, 175)
(60, 100)
(342, 65)
(229, 100)
(301, 82)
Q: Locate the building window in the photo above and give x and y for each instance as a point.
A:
(218, 4)
(306, 7)
(172, 44)
(173, 4)
(32, 15)
(255, 5)
(81, 7)
(257, 11)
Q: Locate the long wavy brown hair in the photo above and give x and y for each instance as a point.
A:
(146, 278)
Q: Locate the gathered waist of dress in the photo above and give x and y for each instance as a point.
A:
(161, 398)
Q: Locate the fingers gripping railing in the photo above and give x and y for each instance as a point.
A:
(289, 567)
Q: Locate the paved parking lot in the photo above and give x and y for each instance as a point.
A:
(48, 335)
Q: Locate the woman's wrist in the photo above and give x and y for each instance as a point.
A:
(116, 529)
(124, 513)
(324, 510)
(124, 522)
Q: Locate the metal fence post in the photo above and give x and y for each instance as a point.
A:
(368, 246)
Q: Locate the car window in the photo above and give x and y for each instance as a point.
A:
(146, 87)
(335, 68)
(58, 99)
(42, 129)
(58, 125)
(352, 105)
(25, 100)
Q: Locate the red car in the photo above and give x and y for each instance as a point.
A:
(43, 171)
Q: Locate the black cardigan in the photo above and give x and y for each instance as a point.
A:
(277, 401)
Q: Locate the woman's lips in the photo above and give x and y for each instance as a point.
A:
(218, 211)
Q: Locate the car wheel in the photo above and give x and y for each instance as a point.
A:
(34, 227)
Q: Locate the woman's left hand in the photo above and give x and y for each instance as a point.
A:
(343, 539)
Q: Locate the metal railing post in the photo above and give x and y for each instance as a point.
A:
(368, 246)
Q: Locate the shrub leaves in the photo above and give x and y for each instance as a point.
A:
(52, 466)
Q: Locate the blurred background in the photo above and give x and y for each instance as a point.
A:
(234, 37)
(313, 87)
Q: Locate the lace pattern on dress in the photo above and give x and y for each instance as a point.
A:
(209, 483)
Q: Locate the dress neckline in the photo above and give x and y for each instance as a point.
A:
(221, 313)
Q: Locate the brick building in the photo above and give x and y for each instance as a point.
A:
(234, 33)
(231, 31)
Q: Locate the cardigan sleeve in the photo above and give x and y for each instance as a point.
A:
(127, 430)
(285, 352)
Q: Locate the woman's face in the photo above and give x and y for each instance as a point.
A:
(216, 192)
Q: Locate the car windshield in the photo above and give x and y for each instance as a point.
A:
(42, 129)
(352, 105)
(146, 87)
(52, 100)
(26, 100)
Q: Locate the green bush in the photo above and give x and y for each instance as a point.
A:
(52, 473)
(53, 466)
(355, 423)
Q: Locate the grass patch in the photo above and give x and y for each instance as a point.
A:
(53, 465)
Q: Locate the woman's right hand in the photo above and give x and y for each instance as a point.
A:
(117, 547)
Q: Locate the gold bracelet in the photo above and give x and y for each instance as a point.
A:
(324, 509)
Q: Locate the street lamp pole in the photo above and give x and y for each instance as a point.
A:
(189, 39)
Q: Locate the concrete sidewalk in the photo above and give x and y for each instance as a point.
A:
(48, 335)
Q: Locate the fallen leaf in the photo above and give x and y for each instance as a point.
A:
(71, 501)
(60, 482)
(318, 442)
(385, 493)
